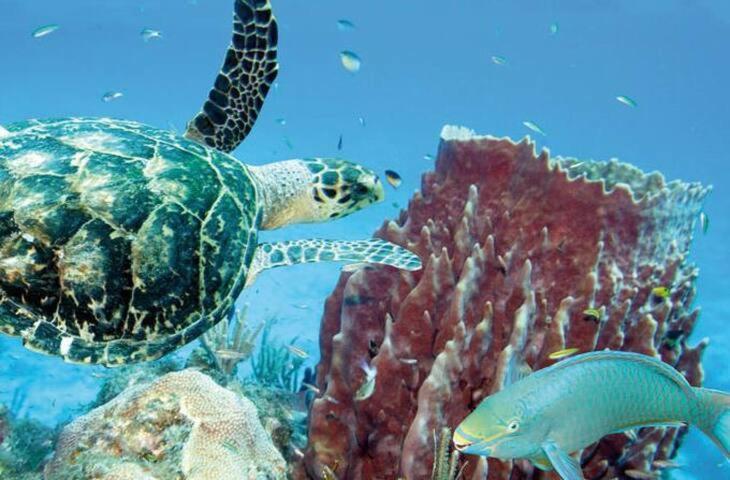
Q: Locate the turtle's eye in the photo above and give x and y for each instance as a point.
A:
(360, 189)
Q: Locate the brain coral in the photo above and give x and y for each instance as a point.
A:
(524, 255)
(182, 425)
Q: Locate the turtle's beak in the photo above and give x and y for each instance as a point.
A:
(378, 191)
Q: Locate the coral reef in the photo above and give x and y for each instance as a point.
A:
(182, 425)
(24, 444)
(524, 255)
(275, 365)
(225, 345)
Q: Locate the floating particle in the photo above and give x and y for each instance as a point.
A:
(626, 100)
(296, 351)
(704, 221)
(576, 165)
(109, 96)
(497, 60)
(534, 127)
(301, 306)
(288, 143)
(350, 61)
(428, 157)
(554, 29)
(150, 34)
(281, 121)
(566, 352)
(361, 120)
(45, 30)
(660, 292)
(339, 143)
(393, 178)
(345, 25)
(396, 205)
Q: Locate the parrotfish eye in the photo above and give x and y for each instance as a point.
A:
(513, 426)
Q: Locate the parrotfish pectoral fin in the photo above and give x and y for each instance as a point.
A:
(567, 467)
(279, 254)
(541, 461)
(715, 422)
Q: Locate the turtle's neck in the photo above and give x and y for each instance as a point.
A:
(284, 187)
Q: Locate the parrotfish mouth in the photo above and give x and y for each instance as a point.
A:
(465, 443)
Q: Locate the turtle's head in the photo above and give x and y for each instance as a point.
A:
(314, 190)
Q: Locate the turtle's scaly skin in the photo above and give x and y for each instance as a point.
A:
(118, 242)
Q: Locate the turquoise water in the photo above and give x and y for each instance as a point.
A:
(424, 64)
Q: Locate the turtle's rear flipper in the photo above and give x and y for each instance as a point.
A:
(279, 254)
(247, 73)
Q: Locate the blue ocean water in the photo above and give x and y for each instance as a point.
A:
(424, 64)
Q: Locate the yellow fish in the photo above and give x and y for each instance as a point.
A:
(660, 292)
(592, 314)
(566, 352)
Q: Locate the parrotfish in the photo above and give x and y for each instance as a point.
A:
(563, 408)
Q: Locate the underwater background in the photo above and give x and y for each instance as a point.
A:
(425, 63)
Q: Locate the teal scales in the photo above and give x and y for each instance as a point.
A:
(120, 242)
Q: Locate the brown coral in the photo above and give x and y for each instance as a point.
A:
(182, 424)
(517, 246)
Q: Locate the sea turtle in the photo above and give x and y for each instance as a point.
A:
(120, 242)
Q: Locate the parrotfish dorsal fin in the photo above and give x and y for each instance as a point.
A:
(644, 360)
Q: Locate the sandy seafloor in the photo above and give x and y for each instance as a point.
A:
(425, 63)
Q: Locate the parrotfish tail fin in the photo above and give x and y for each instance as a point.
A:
(292, 252)
(715, 417)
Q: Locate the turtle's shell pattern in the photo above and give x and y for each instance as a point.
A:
(118, 242)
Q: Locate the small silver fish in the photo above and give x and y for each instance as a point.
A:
(640, 474)
(225, 354)
(573, 403)
(45, 30)
(428, 157)
(704, 220)
(626, 101)
(281, 121)
(368, 385)
(498, 60)
(361, 120)
(351, 61)
(665, 464)
(109, 96)
(339, 143)
(311, 388)
(150, 34)
(554, 29)
(298, 352)
(534, 127)
(345, 25)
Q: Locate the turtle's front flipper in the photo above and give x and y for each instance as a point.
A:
(279, 254)
(247, 73)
